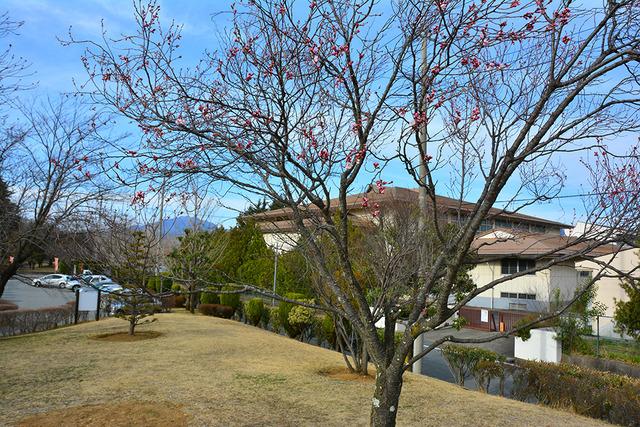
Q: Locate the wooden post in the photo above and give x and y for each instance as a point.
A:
(75, 314)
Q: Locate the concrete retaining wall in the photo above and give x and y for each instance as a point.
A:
(615, 366)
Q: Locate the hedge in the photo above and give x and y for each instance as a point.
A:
(603, 395)
(209, 297)
(217, 310)
(15, 322)
(230, 300)
(254, 311)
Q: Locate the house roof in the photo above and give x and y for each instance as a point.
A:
(508, 243)
(278, 220)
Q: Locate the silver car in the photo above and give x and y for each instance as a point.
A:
(108, 287)
(54, 280)
(96, 279)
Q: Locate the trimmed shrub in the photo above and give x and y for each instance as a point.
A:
(254, 311)
(217, 310)
(209, 297)
(284, 308)
(168, 302)
(596, 394)
(328, 330)
(230, 300)
(180, 300)
(301, 322)
(274, 316)
(266, 317)
(462, 361)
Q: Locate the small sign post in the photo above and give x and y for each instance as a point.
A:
(98, 306)
(75, 314)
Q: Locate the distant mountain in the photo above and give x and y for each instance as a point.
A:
(176, 226)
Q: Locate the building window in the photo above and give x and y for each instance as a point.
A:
(585, 274)
(517, 306)
(486, 225)
(538, 228)
(501, 223)
(517, 296)
(513, 265)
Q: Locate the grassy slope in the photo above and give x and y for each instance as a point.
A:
(227, 373)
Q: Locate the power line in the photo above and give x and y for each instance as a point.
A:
(564, 196)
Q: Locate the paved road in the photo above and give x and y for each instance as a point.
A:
(26, 296)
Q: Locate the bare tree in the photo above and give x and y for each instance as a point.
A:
(54, 174)
(302, 104)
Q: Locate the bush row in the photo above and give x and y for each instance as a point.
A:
(217, 310)
(603, 395)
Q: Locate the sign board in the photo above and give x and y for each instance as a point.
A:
(484, 316)
(88, 301)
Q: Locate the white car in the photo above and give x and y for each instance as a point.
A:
(55, 280)
(95, 279)
(109, 287)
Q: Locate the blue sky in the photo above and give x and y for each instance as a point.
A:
(54, 66)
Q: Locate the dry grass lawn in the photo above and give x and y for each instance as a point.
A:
(220, 372)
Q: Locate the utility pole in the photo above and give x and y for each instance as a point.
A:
(275, 275)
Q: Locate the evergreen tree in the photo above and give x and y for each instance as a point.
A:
(627, 314)
(135, 303)
(9, 220)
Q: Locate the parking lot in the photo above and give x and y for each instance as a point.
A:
(26, 296)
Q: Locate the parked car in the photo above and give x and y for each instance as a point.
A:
(55, 280)
(72, 284)
(94, 279)
(108, 287)
(117, 303)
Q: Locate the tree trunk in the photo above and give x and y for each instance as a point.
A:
(384, 405)
(132, 327)
(364, 366)
(5, 274)
(192, 299)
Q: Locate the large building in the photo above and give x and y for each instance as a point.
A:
(506, 243)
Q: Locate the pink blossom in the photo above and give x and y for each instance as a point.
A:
(475, 114)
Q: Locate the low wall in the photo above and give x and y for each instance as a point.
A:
(541, 347)
(608, 365)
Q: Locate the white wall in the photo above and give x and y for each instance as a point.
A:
(537, 283)
(609, 288)
(542, 347)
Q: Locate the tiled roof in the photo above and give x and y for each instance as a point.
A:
(536, 244)
(278, 219)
